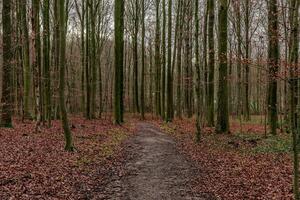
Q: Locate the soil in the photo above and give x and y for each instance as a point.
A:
(153, 169)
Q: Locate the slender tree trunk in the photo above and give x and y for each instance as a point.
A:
(19, 62)
(62, 60)
(197, 66)
(179, 60)
(169, 116)
(273, 55)
(26, 60)
(211, 63)
(163, 72)
(178, 13)
(205, 66)
(6, 99)
(93, 59)
(157, 61)
(188, 76)
(247, 56)
(135, 58)
(119, 51)
(239, 60)
(37, 61)
(143, 62)
(56, 59)
(87, 62)
(151, 78)
(223, 114)
(46, 59)
(294, 100)
(83, 59)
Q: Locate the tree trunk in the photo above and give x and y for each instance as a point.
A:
(247, 57)
(211, 64)
(179, 60)
(26, 60)
(36, 63)
(223, 114)
(273, 58)
(143, 63)
(93, 59)
(119, 51)
(6, 99)
(62, 60)
(197, 66)
(163, 72)
(87, 62)
(157, 61)
(46, 59)
(237, 5)
(135, 58)
(294, 100)
(169, 116)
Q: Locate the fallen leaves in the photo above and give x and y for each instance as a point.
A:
(229, 167)
(35, 165)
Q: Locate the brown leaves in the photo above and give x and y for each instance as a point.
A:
(35, 166)
(229, 173)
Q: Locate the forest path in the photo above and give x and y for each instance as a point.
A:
(154, 169)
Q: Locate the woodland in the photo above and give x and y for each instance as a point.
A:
(149, 99)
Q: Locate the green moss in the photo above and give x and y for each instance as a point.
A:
(274, 144)
(254, 143)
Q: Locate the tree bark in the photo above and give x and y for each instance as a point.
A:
(211, 64)
(62, 60)
(46, 59)
(169, 116)
(223, 113)
(273, 58)
(197, 66)
(6, 99)
(119, 51)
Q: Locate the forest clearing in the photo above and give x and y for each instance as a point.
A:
(149, 99)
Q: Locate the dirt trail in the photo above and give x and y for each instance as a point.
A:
(154, 169)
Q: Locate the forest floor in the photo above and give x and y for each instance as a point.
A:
(34, 166)
(245, 164)
(144, 160)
